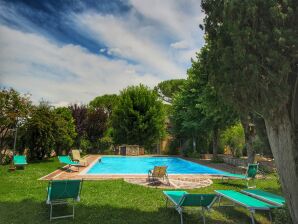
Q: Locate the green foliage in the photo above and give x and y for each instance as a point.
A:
(85, 145)
(252, 52)
(281, 216)
(106, 143)
(139, 117)
(47, 129)
(167, 89)
(174, 146)
(233, 137)
(39, 132)
(14, 110)
(65, 129)
(96, 125)
(261, 143)
(198, 111)
(107, 102)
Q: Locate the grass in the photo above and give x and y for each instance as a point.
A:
(22, 200)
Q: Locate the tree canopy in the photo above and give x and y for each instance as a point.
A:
(14, 108)
(139, 117)
(167, 89)
(252, 62)
(65, 129)
(198, 109)
(107, 102)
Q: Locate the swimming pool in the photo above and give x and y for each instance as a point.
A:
(141, 165)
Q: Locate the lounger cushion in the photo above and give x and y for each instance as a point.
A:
(67, 160)
(239, 176)
(19, 160)
(266, 196)
(245, 200)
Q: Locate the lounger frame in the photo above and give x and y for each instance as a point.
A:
(52, 203)
(251, 209)
(179, 208)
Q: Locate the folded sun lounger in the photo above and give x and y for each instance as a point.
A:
(69, 162)
(252, 204)
(265, 196)
(182, 199)
(61, 190)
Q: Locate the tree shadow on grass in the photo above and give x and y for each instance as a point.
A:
(42, 161)
(31, 211)
(233, 184)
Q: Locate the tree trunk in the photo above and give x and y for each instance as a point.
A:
(193, 144)
(215, 143)
(249, 138)
(283, 137)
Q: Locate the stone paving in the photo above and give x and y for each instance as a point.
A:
(174, 183)
(182, 181)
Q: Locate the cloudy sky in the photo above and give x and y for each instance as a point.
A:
(67, 51)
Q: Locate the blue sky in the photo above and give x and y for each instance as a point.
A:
(68, 51)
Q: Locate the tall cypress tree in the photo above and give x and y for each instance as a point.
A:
(252, 61)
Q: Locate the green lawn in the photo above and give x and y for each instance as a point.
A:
(22, 200)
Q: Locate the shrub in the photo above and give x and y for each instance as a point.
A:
(281, 216)
(105, 143)
(173, 148)
(85, 145)
(233, 137)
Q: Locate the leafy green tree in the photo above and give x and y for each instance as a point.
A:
(186, 118)
(14, 108)
(65, 129)
(252, 62)
(139, 117)
(233, 137)
(167, 89)
(200, 110)
(38, 133)
(107, 102)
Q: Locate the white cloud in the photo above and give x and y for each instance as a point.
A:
(180, 17)
(62, 74)
(151, 42)
(115, 51)
(180, 45)
(127, 39)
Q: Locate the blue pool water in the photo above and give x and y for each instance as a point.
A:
(141, 165)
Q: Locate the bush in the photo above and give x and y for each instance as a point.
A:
(39, 132)
(105, 143)
(173, 147)
(281, 216)
(233, 137)
(85, 145)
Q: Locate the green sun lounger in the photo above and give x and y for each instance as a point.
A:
(182, 199)
(251, 173)
(252, 204)
(69, 162)
(19, 160)
(59, 191)
(266, 196)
